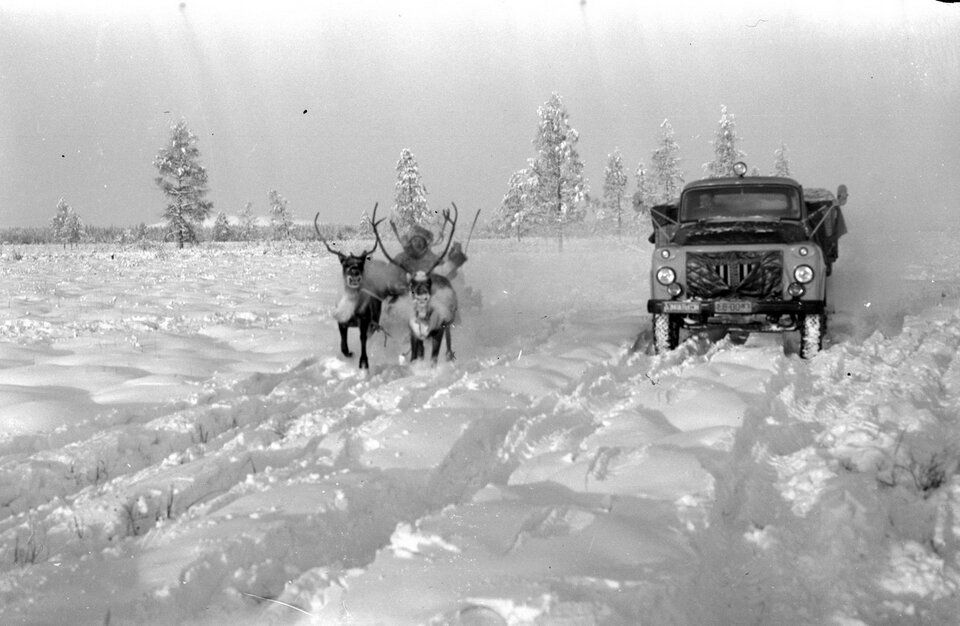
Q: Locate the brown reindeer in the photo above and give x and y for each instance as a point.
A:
(434, 300)
(366, 284)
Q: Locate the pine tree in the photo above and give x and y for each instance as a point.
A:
(511, 217)
(57, 224)
(725, 150)
(603, 221)
(667, 173)
(781, 167)
(281, 221)
(247, 229)
(410, 202)
(614, 191)
(221, 228)
(557, 169)
(66, 225)
(74, 229)
(364, 228)
(644, 199)
(184, 181)
(645, 196)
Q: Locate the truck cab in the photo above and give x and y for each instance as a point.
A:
(749, 253)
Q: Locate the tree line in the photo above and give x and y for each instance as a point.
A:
(550, 195)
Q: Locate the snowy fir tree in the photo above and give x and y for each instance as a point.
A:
(247, 228)
(184, 181)
(66, 225)
(281, 222)
(557, 168)
(57, 224)
(666, 171)
(603, 222)
(725, 149)
(781, 167)
(511, 216)
(614, 193)
(410, 198)
(645, 196)
(221, 228)
(364, 228)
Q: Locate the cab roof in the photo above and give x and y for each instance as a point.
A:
(744, 181)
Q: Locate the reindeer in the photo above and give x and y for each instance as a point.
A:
(434, 300)
(367, 283)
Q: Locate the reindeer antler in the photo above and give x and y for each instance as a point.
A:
(374, 222)
(443, 228)
(453, 227)
(374, 248)
(396, 233)
(316, 227)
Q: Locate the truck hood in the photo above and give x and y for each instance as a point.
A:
(740, 233)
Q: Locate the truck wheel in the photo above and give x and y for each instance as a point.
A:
(812, 329)
(666, 332)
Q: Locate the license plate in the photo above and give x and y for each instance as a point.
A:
(681, 307)
(733, 306)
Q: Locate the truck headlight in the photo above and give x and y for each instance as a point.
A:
(803, 274)
(666, 276)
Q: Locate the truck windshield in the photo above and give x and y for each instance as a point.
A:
(740, 203)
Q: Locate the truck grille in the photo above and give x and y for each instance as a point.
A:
(756, 275)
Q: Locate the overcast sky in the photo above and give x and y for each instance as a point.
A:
(316, 100)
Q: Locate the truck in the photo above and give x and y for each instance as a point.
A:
(745, 254)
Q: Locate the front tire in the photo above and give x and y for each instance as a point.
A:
(666, 332)
(812, 329)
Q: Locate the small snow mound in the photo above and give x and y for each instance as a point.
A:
(915, 570)
(406, 542)
(509, 611)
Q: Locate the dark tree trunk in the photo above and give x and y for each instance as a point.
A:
(559, 214)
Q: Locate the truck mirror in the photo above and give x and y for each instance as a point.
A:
(842, 195)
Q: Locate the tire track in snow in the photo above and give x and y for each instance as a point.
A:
(851, 460)
(563, 464)
(178, 467)
(223, 459)
(294, 476)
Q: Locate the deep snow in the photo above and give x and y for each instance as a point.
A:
(182, 444)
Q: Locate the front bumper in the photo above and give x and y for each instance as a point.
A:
(754, 316)
(728, 308)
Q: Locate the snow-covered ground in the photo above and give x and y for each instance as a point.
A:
(183, 444)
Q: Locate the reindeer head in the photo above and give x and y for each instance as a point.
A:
(352, 264)
(420, 285)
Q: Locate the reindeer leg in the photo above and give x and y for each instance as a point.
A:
(446, 333)
(375, 308)
(364, 327)
(416, 346)
(436, 338)
(343, 341)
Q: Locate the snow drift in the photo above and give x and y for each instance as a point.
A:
(182, 444)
